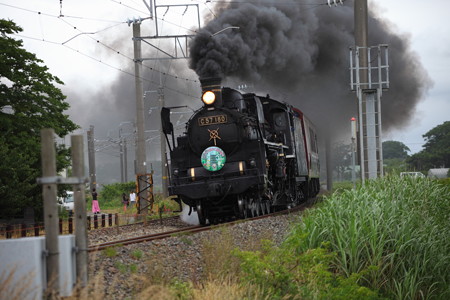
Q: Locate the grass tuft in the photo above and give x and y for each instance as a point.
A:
(396, 227)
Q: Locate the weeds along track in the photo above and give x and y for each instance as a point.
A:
(168, 231)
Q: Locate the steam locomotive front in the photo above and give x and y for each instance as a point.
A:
(218, 156)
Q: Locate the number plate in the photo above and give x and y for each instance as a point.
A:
(211, 120)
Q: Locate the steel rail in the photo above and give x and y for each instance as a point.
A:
(146, 238)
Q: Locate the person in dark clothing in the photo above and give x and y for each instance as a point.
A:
(124, 202)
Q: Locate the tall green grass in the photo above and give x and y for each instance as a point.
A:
(393, 230)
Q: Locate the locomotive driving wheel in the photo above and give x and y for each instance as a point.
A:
(242, 205)
(255, 207)
(201, 213)
(267, 203)
(261, 205)
(252, 208)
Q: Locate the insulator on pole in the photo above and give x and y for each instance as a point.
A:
(335, 2)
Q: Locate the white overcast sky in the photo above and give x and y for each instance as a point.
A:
(426, 22)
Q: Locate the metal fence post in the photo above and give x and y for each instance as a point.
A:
(95, 222)
(23, 230)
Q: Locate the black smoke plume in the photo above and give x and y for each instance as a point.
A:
(299, 51)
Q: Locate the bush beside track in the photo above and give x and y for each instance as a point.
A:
(390, 236)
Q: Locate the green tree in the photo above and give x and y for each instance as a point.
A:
(29, 101)
(394, 156)
(342, 160)
(395, 149)
(436, 152)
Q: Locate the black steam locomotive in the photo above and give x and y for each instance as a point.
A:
(242, 155)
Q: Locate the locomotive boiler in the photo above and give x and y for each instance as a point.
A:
(242, 155)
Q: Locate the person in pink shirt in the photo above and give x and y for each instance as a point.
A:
(95, 206)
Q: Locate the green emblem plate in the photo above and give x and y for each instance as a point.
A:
(213, 158)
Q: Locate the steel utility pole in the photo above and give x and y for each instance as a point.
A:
(123, 153)
(371, 77)
(164, 175)
(353, 149)
(361, 32)
(91, 158)
(180, 51)
(141, 168)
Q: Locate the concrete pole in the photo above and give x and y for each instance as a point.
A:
(48, 158)
(81, 241)
(141, 168)
(91, 158)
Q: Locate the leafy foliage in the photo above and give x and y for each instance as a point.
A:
(284, 274)
(392, 232)
(394, 166)
(436, 152)
(395, 149)
(342, 160)
(112, 193)
(29, 101)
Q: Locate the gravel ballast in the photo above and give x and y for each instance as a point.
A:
(127, 269)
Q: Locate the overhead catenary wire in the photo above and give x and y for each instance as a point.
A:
(91, 33)
(59, 16)
(161, 19)
(287, 3)
(98, 41)
(130, 7)
(109, 65)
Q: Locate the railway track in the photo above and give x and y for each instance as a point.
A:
(145, 238)
(189, 230)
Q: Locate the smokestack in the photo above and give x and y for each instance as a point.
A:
(211, 84)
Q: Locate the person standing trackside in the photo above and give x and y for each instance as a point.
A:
(95, 206)
(124, 202)
(132, 198)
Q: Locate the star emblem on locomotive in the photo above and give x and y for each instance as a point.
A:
(214, 135)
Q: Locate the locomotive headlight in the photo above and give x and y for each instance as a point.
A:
(176, 172)
(252, 162)
(208, 98)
